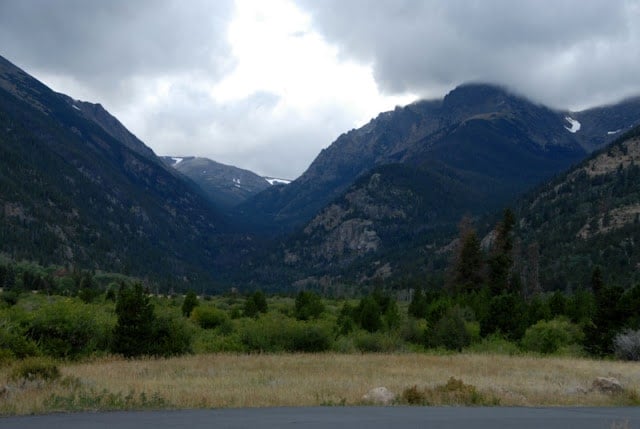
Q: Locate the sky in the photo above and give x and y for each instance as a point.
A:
(266, 84)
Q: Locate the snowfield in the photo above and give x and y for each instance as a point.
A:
(575, 125)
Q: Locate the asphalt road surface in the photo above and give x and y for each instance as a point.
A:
(343, 417)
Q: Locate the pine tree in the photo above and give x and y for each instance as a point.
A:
(468, 270)
(501, 259)
(418, 307)
(133, 334)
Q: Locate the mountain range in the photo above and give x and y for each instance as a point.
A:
(79, 190)
(382, 201)
(476, 129)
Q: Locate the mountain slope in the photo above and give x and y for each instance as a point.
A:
(433, 162)
(589, 216)
(609, 122)
(72, 193)
(478, 119)
(225, 185)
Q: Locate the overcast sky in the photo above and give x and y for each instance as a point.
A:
(266, 84)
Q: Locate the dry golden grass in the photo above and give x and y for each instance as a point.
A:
(228, 380)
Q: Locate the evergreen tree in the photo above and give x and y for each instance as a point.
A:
(469, 265)
(369, 314)
(597, 284)
(418, 307)
(346, 322)
(609, 318)
(190, 302)
(507, 315)
(133, 334)
(501, 259)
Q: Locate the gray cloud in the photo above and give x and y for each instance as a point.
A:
(118, 52)
(563, 52)
(246, 130)
(106, 44)
(153, 63)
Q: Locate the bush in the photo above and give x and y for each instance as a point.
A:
(68, 329)
(368, 314)
(450, 332)
(208, 341)
(378, 342)
(453, 392)
(308, 305)
(311, 338)
(551, 336)
(413, 396)
(10, 297)
(495, 344)
(255, 304)
(414, 330)
(209, 317)
(36, 369)
(272, 333)
(190, 302)
(171, 336)
(626, 345)
(507, 315)
(13, 342)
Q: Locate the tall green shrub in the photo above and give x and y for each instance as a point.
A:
(308, 305)
(68, 329)
(255, 304)
(190, 302)
(551, 336)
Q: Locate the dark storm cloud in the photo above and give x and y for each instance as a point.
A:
(99, 43)
(561, 52)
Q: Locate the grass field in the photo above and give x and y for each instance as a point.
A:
(228, 380)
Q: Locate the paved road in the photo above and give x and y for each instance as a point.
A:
(343, 417)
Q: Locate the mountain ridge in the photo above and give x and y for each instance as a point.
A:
(407, 133)
(75, 195)
(225, 185)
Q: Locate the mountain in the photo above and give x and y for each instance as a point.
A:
(393, 191)
(78, 189)
(225, 185)
(588, 216)
(475, 128)
(97, 114)
(611, 121)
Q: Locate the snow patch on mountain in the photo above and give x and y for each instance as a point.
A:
(610, 133)
(575, 125)
(177, 160)
(276, 181)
